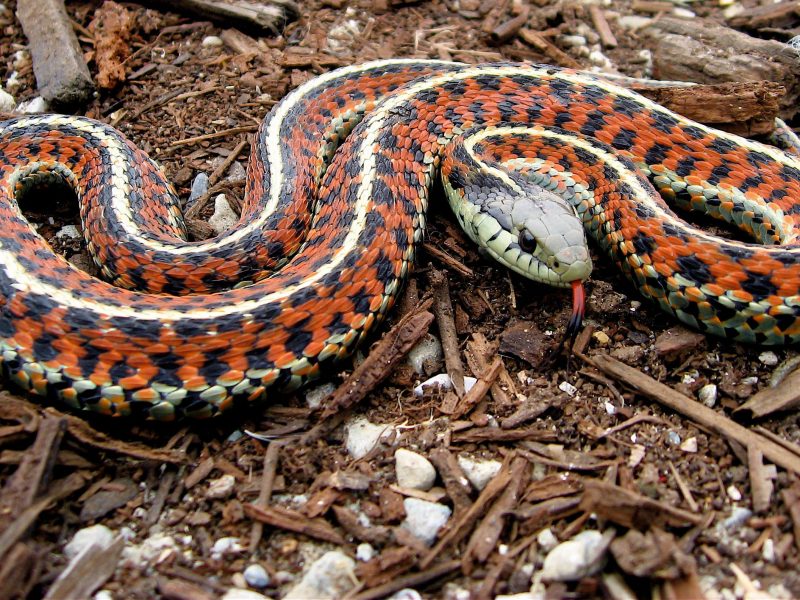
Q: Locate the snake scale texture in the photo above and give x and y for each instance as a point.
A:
(337, 189)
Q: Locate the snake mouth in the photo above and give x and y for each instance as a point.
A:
(578, 309)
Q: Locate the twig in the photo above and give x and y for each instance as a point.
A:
(211, 136)
(265, 491)
(443, 309)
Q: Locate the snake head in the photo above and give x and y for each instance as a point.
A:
(549, 236)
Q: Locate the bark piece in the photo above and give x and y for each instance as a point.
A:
(111, 25)
(781, 15)
(268, 17)
(784, 396)
(291, 520)
(87, 571)
(705, 52)
(61, 73)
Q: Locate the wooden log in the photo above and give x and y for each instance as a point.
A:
(705, 52)
(61, 73)
(782, 15)
(266, 17)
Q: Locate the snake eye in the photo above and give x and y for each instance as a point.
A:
(526, 241)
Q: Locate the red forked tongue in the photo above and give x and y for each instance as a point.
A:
(578, 310)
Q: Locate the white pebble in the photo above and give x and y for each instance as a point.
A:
(413, 470)
(684, 13)
(768, 358)
(479, 472)
(99, 535)
(546, 539)
(768, 550)
(211, 41)
(103, 595)
(689, 445)
(154, 550)
(406, 594)
(424, 519)
(634, 22)
(68, 232)
(221, 488)
(317, 394)
(256, 576)
(223, 218)
(568, 388)
(572, 40)
(739, 516)
(733, 493)
(225, 546)
(583, 555)
(363, 436)
(708, 395)
(240, 594)
(35, 105)
(330, 576)
(444, 382)
(7, 102)
(365, 552)
(428, 350)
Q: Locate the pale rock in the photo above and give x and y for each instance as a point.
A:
(7, 102)
(708, 395)
(768, 358)
(444, 382)
(155, 549)
(413, 470)
(583, 555)
(406, 594)
(317, 394)
(223, 218)
(240, 594)
(424, 519)
(212, 41)
(365, 552)
(99, 535)
(546, 539)
(32, 106)
(221, 488)
(256, 576)
(362, 436)
(428, 351)
(103, 595)
(330, 576)
(689, 445)
(479, 472)
(225, 546)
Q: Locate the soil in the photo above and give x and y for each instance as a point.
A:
(148, 480)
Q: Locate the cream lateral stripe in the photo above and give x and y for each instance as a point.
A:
(642, 195)
(25, 281)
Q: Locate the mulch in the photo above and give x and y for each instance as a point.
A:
(616, 438)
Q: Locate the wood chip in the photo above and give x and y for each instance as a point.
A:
(291, 520)
(443, 309)
(784, 396)
(87, 571)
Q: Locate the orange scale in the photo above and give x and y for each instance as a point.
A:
(133, 382)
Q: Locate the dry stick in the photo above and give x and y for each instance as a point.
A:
(545, 46)
(264, 493)
(685, 491)
(211, 136)
(267, 17)
(443, 309)
(479, 390)
(688, 407)
(447, 260)
(407, 581)
(507, 30)
(218, 172)
(291, 520)
(601, 25)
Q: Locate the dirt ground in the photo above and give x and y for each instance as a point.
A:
(688, 508)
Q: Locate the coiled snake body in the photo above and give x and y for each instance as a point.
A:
(539, 151)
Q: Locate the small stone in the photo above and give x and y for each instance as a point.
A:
(739, 516)
(256, 576)
(7, 102)
(103, 595)
(363, 436)
(33, 106)
(225, 546)
(689, 445)
(674, 438)
(406, 594)
(708, 395)
(199, 188)
(424, 519)
(479, 472)
(676, 341)
(426, 354)
(634, 22)
(568, 388)
(98, 535)
(211, 41)
(239, 581)
(330, 576)
(154, 550)
(768, 550)
(240, 594)
(223, 218)
(733, 493)
(583, 555)
(443, 381)
(768, 358)
(221, 488)
(317, 394)
(572, 41)
(413, 470)
(546, 539)
(365, 552)
(601, 338)
(628, 354)
(236, 173)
